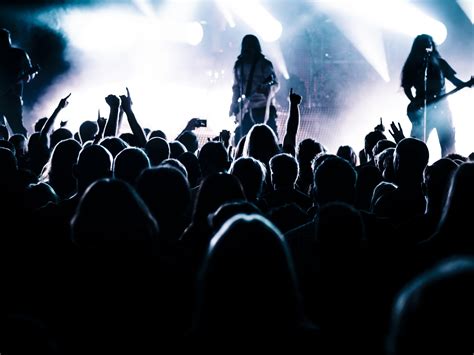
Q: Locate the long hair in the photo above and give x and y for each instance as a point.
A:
(247, 284)
(416, 57)
(250, 49)
(261, 143)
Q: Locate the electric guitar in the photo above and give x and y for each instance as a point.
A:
(260, 94)
(415, 108)
(22, 77)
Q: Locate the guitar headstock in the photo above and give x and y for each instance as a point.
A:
(470, 82)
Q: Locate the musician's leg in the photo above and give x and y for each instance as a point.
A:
(417, 129)
(445, 129)
(14, 115)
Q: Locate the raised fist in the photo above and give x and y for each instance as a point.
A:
(295, 99)
(112, 101)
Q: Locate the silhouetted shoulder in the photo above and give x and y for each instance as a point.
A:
(446, 68)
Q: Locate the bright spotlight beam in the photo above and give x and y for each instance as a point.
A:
(106, 29)
(258, 18)
(222, 6)
(468, 7)
(275, 52)
(394, 15)
(145, 6)
(362, 23)
(113, 47)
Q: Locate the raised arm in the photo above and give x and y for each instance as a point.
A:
(101, 122)
(137, 130)
(190, 126)
(458, 82)
(289, 141)
(450, 74)
(50, 121)
(112, 123)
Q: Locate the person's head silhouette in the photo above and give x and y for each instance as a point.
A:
(5, 39)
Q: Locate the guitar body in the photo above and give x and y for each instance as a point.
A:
(415, 109)
(22, 77)
(414, 113)
(254, 109)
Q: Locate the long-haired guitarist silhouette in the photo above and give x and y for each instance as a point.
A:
(15, 69)
(255, 85)
(425, 71)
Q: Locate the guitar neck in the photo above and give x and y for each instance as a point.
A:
(455, 90)
(441, 97)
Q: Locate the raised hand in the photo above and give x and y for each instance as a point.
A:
(126, 102)
(192, 124)
(396, 132)
(380, 127)
(113, 101)
(128, 95)
(63, 102)
(295, 99)
(101, 121)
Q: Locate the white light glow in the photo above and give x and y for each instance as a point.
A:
(276, 54)
(468, 7)
(194, 33)
(145, 7)
(462, 107)
(362, 23)
(394, 15)
(364, 112)
(258, 18)
(222, 5)
(112, 28)
(369, 42)
(363, 115)
(114, 47)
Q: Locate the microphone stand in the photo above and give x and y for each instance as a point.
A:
(425, 83)
(241, 103)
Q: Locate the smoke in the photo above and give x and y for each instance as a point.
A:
(111, 47)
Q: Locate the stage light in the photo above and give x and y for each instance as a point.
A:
(394, 15)
(194, 33)
(362, 23)
(222, 5)
(258, 18)
(364, 35)
(468, 7)
(113, 47)
(113, 28)
(145, 7)
(275, 53)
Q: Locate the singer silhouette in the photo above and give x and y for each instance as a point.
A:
(425, 71)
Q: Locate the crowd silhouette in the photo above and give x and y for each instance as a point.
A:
(131, 242)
